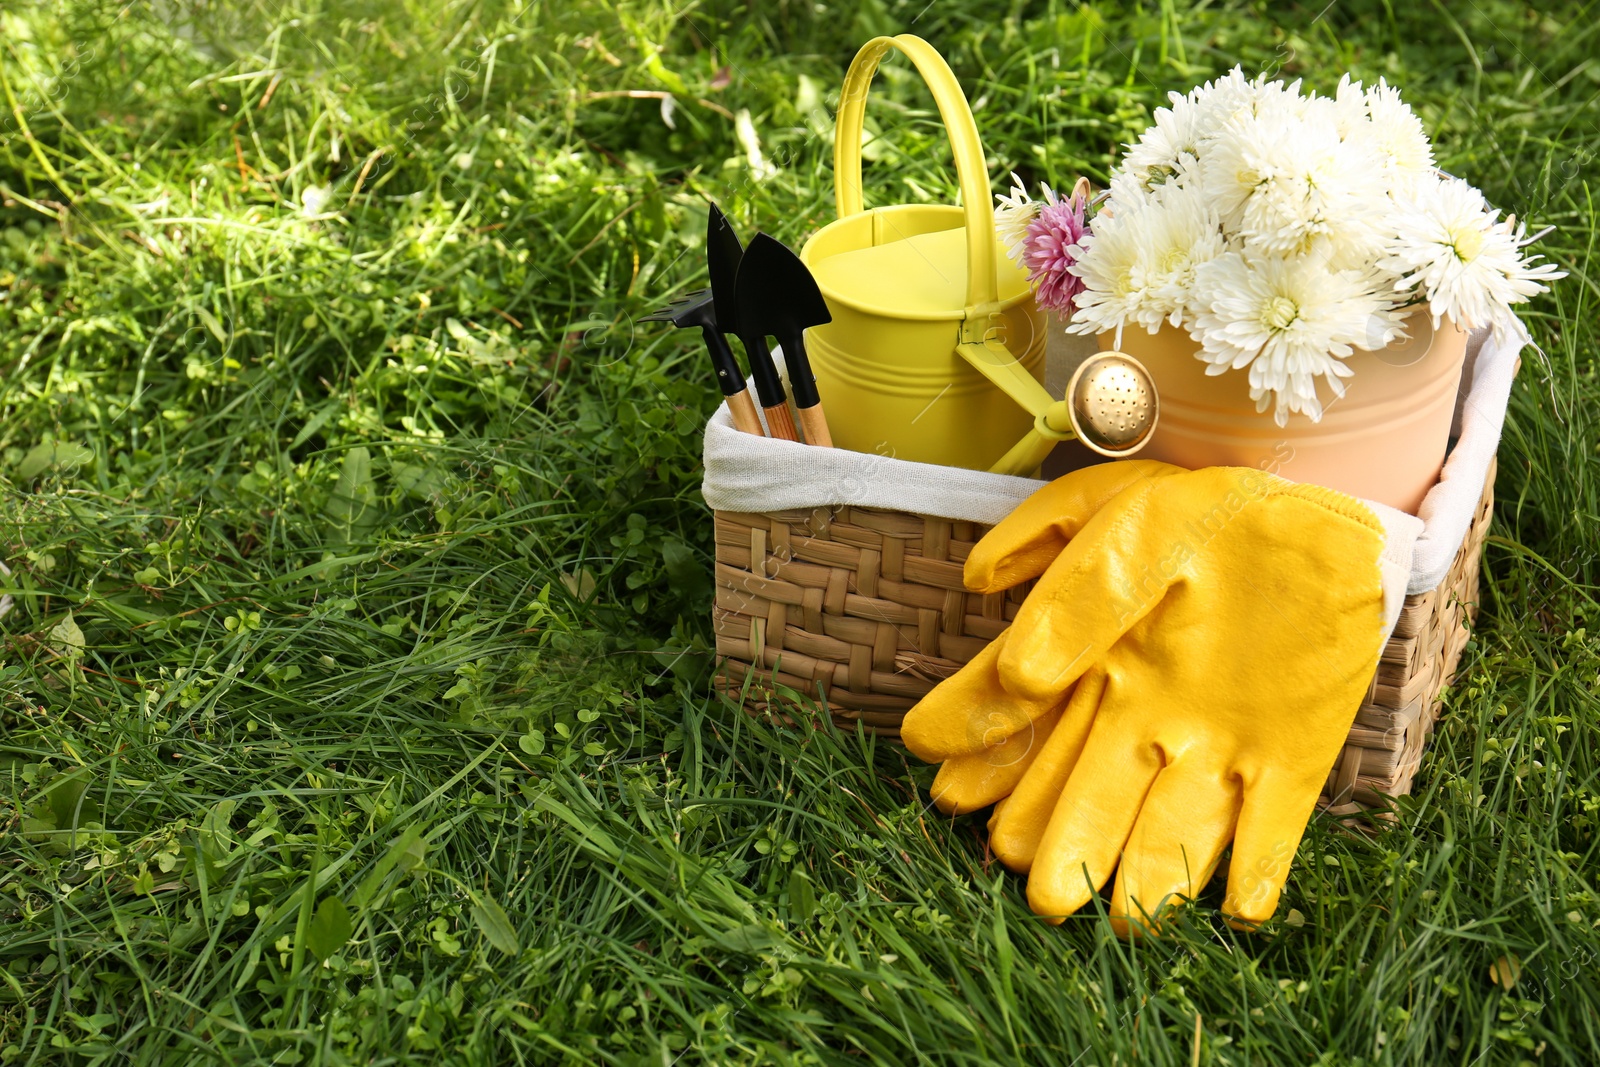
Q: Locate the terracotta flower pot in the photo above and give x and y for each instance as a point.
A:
(1384, 440)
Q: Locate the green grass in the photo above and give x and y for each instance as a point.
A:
(355, 704)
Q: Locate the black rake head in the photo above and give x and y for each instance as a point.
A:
(691, 309)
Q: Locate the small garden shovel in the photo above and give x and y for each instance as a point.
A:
(723, 255)
(777, 297)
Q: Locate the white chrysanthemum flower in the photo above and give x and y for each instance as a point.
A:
(1181, 235)
(1291, 321)
(1012, 214)
(1242, 160)
(1139, 265)
(1128, 189)
(1287, 184)
(1350, 109)
(1398, 137)
(1385, 129)
(1168, 151)
(1234, 96)
(1110, 263)
(1470, 268)
(1169, 147)
(1223, 98)
(1287, 230)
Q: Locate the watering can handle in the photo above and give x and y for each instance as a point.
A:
(982, 283)
(978, 343)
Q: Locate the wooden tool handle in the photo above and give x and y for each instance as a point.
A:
(744, 414)
(780, 423)
(815, 425)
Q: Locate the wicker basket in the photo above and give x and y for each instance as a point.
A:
(866, 610)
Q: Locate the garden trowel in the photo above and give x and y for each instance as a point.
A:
(778, 297)
(724, 260)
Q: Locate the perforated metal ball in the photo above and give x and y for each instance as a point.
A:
(1114, 405)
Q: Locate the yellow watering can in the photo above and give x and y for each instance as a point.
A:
(936, 348)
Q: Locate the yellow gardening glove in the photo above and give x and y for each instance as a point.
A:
(987, 736)
(1224, 629)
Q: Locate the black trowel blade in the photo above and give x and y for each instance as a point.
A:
(723, 254)
(788, 297)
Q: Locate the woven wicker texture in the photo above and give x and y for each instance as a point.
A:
(867, 607)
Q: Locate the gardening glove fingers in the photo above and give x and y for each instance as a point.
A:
(1183, 828)
(974, 709)
(1270, 828)
(1094, 814)
(970, 711)
(1024, 543)
(1227, 698)
(967, 783)
(1019, 822)
(1105, 580)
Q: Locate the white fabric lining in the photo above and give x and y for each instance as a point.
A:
(758, 474)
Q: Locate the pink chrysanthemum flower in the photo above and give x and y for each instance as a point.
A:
(1050, 248)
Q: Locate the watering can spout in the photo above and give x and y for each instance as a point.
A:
(1110, 405)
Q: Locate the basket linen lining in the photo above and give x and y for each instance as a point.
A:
(750, 474)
